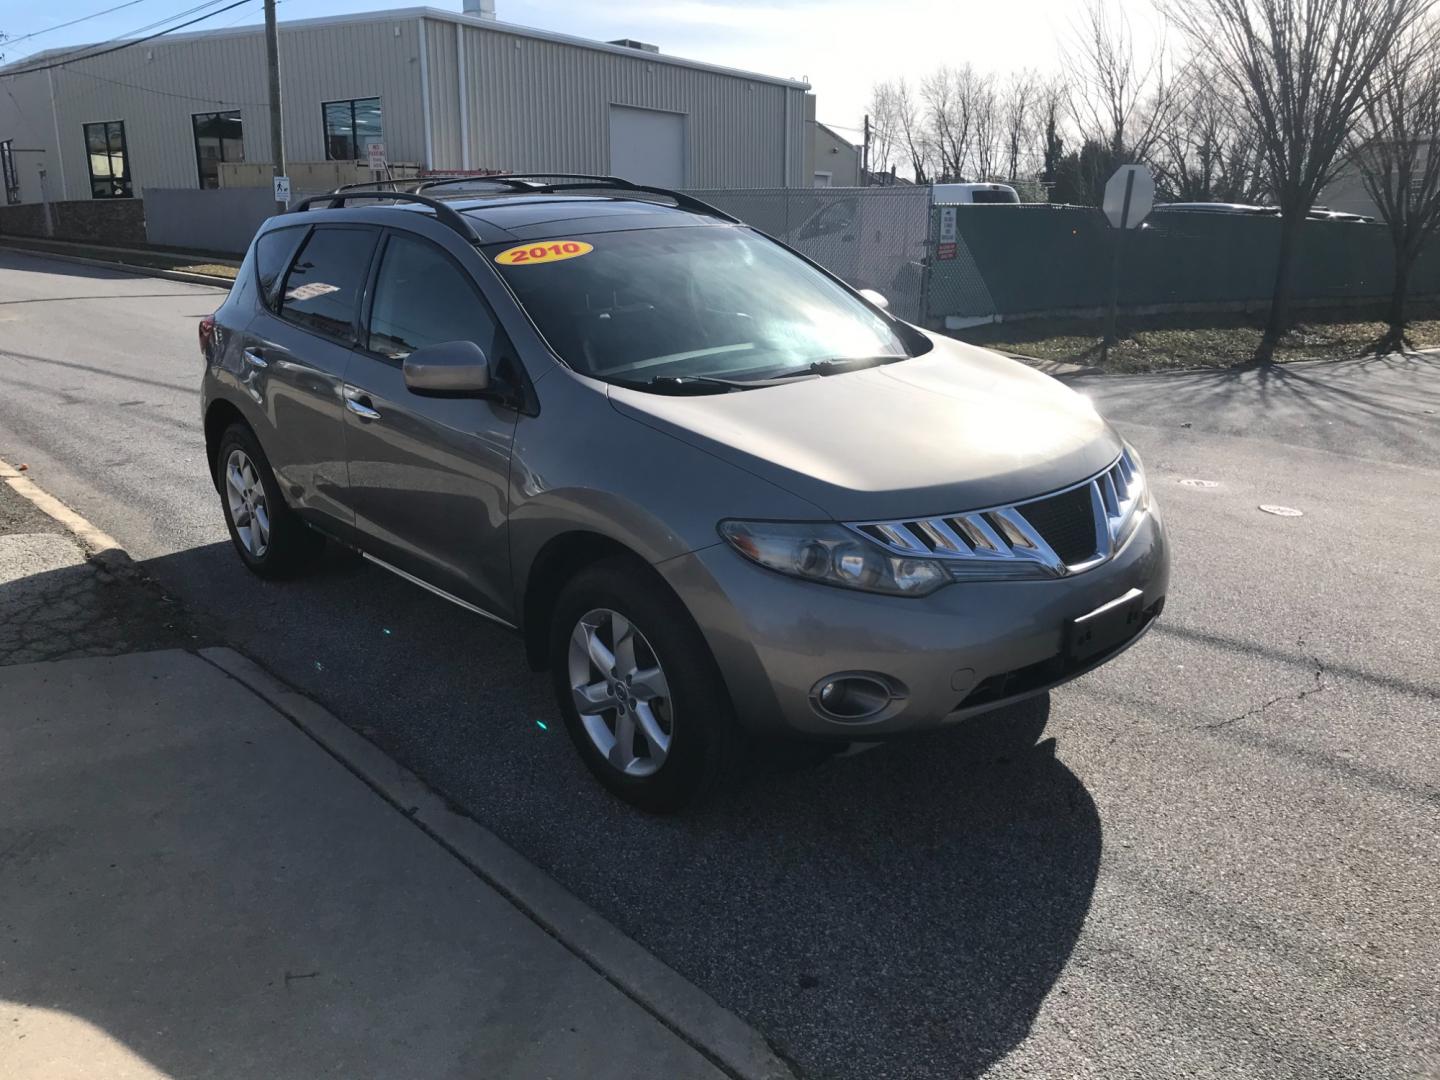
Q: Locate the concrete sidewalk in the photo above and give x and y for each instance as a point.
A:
(192, 887)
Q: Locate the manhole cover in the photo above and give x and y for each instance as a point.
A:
(1192, 482)
(1282, 511)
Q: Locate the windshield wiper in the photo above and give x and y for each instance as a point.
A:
(838, 365)
(687, 384)
(853, 363)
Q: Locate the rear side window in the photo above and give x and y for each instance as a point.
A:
(422, 298)
(325, 280)
(272, 255)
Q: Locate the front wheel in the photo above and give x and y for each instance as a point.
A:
(639, 691)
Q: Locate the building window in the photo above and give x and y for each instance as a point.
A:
(351, 127)
(7, 169)
(217, 138)
(108, 159)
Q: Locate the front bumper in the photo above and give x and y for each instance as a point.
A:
(965, 649)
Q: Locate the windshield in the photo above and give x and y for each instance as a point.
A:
(688, 302)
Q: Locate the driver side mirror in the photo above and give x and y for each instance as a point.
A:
(878, 299)
(449, 369)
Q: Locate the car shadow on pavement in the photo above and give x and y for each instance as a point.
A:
(903, 911)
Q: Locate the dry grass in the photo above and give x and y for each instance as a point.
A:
(159, 260)
(1174, 342)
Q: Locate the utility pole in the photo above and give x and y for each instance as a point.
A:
(277, 124)
(865, 155)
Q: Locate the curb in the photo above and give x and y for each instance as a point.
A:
(128, 268)
(720, 1036)
(99, 545)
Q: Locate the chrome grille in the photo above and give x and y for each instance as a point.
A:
(1065, 532)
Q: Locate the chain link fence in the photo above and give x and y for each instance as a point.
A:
(872, 238)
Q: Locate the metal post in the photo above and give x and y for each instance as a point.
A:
(277, 124)
(1115, 268)
(865, 154)
(45, 203)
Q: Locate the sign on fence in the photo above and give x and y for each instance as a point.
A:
(282, 189)
(945, 248)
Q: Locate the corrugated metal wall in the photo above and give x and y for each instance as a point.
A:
(537, 104)
(533, 103)
(156, 88)
(25, 120)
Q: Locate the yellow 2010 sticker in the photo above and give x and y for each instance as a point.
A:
(548, 251)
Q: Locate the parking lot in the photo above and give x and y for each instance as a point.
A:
(1215, 857)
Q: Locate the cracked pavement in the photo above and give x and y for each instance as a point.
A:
(57, 604)
(1202, 860)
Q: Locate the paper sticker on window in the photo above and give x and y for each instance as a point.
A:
(311, 290)
(549, 251)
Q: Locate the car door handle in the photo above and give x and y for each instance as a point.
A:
(255, 359)
(358, 402)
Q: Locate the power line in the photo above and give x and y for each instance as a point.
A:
(127, 44)
(171, 94)
(72, 22)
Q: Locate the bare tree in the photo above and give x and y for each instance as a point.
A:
(884, 127)
(1305, 70)
(947, 112)
(914, 137)
(1207, 152)
(1118, 100)
(989, 129)
(1394, 147)
(1019, 103)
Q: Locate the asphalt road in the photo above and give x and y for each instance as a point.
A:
(1215, 857)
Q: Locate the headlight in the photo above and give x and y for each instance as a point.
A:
(833, 555)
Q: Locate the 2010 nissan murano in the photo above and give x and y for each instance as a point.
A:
(716, 490)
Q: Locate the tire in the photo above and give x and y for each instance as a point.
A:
(289, 546)
(693, 713)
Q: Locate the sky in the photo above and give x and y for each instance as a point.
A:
(842, 47)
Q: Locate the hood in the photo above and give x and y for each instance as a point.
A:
(958, 428)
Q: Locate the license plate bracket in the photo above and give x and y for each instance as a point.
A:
(1106, 627)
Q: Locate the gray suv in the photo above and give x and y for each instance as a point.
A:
(719, 493)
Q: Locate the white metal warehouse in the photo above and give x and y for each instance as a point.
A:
(439, 89)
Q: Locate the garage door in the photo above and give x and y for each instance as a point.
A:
(647, 147)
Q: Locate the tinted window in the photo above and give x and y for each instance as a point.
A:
(709, 300)
(422, 298)
(325, 280)
(272, 256)
(994, 197)
(350, 128)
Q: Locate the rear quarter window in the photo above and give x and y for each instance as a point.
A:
(323, 285)
(273, 251)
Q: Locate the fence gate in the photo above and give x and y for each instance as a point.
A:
(872, 238)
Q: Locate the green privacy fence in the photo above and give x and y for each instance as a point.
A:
(1029, 260)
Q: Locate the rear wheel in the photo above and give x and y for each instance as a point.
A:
(269, 537)
(640, 693)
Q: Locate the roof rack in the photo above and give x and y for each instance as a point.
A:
(444, 213)
(530, 184)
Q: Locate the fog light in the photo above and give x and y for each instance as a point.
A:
(850, 698)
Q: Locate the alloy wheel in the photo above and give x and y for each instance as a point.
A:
(620, 692)
(245, 497)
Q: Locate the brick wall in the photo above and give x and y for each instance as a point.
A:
(100, 221)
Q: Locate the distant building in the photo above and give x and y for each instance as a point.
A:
(438, 90)
(837, 160)
(1346, 192)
